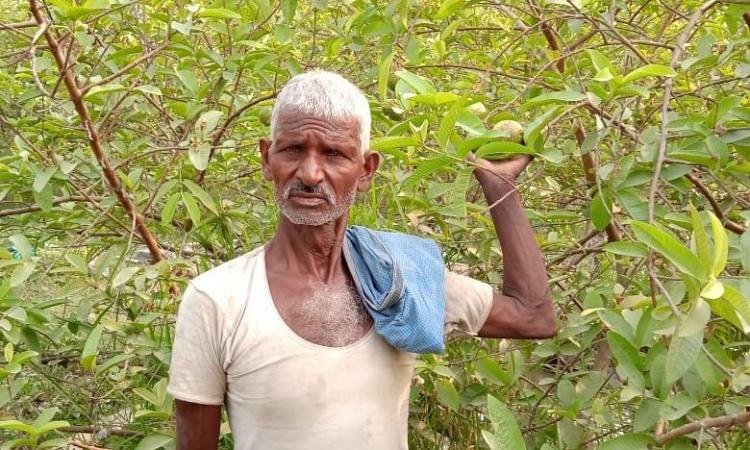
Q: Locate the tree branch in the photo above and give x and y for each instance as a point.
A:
(127, 68)
(18, 25)
(28, 209)
(76, 97)
(713, 422)
(728, 224)
(90, 429)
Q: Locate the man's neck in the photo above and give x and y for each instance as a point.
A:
(310, 251)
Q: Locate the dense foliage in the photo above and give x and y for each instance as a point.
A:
(128, 163)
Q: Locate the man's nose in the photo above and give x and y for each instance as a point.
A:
(310, 169)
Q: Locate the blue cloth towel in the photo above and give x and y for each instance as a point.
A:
(401, 281)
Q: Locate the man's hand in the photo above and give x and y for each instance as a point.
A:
(506, 169)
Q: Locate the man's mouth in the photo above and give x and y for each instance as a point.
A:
(308, 195)
(308, 198)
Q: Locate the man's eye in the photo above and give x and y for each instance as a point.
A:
(293, 149)
(334, 153)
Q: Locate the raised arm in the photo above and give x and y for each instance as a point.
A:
(523, 308)
(197, 426)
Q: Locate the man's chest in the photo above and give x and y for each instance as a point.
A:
(325, 314)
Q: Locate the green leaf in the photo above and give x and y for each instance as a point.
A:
(745, 251)
(505, 428)
(154, 442)
(219, 13)
(425, 168)
(600, 212)
(22, 245)
(713, 290)
(626, 248)
(207, 122)
(682, 353)
(491, 371)
(555, 97)
(192, 207)
(448, 8)
(182, 28)
(199, 155)
(53, 425)
(112, 362)
(721, 246)
(288, 9)
(625, 353)
(88, 355)
(78, 263)
(647, 415)
(124, 275)
(493, 150)
(598, 59)
(435, 98)
(534, 129)
(419, 84)
(202, 195)
(16, 425)
(42, 178)
(649, 70)
(187, 78)
(702, 245)
(671, 248)
(628, 442)
(447, 395)
(447, 125)
(384, 71)
(391, 142)
(97, 93)
(21, 273)
(695, 320)
(741, 306)
(8, 352)
(149, 89)
(603, 75)
(167, 214)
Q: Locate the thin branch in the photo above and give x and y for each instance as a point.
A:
(18, 25)
(127, 68)
(728, 224)
(55, 202)
(90, 429)
(76, 97)
(713, 422)
(481, 69)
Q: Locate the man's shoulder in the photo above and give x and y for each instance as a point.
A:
(230, 279)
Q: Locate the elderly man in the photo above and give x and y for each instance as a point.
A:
(280, 336)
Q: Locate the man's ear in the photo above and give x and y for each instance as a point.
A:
(265, 148)
(372, 162)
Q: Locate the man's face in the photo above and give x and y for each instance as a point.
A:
(316, 166)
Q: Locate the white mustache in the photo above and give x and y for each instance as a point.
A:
(297, 186)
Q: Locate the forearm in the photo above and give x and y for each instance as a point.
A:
(524, 271)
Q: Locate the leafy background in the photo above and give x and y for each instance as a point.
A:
(128, 164)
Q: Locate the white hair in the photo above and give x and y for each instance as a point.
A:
(327, 96)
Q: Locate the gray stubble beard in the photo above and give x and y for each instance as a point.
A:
(337, 207)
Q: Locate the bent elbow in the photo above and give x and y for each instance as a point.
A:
(546, 326)
(548, 331)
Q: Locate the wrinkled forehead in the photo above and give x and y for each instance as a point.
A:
(294, 125)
